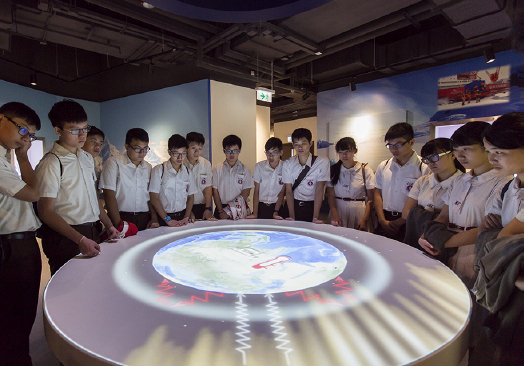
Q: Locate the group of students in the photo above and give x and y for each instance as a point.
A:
(428, 202)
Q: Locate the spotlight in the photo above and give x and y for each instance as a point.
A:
(489, 55)
(305, 96)
(147, 5)
(353, 85)
(32, 79)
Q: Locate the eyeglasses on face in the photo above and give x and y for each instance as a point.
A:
(231, 151)
(77, 131)
(398, 145)
(272, 153)
(140, 150)
(434, 158)
(177, 154)
(22, 131)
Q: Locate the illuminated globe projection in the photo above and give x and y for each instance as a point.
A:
(249, 262)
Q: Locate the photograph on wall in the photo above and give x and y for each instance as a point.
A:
(475, 88)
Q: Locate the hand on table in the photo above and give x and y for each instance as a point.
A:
(88, 247)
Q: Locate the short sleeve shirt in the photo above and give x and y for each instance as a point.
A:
(351, 182)
(469, 196)
(428, 191)
(231, 181)
(520, 216)
(319, 172)
(15, 215)
(202, 175)
(270, 181)
(396, 181)
(512, 204)
(73, 188)
(172, 187)
(130, 182)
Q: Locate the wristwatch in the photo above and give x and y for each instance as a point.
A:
(208, 208)
(167, 219)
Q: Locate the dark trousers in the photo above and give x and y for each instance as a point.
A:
(174, 216)
(304, 210)
(19, 286)
(59, 249)
(198, 210)
(265, 211)
(140, 219)
(391, 216)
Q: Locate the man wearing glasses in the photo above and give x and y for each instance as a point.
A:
(231, 178)
(394, 179)
(125, 181)
(21, 267)
(68, 204)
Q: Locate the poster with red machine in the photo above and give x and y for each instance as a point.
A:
(474, 88)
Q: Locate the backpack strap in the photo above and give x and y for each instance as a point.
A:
(505, 189)
(59, 161)
(303, 173)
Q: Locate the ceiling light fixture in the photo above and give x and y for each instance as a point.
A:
(353, 85)
(147, 5)
(489, 55)
(318, 53)
(306, 96)
(32, 78)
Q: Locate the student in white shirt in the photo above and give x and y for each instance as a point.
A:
(172, 186)
(304, 197)
(350, 189)
(269, 186)
(93, 145)
(20, 263)
(125, 181)
(68, 204)
(202, 174)
(231, 178)
(394, 179)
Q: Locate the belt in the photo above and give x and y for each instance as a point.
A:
(90, 224)
(133, 213)
(350, 199)
(267, 204)
(461, 228)
(305, 203)
(394, 213)
(19, 236)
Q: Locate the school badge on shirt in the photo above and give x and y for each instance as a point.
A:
(310, 183)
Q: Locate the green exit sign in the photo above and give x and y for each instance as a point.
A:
(264, 95)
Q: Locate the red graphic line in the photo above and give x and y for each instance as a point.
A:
(191, 301)
(342, 284)
(314, 297)
(165, 287)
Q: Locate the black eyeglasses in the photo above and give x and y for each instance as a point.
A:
(232, 151)
(398, 145)
(77, 131)
(22, 131)
(177, 154)
(140, 150)
(434, 158)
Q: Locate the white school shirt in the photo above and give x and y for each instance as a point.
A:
(130, 182)
(15, 215)
(520, 216)
(202, 173)
(270, 181)
(351, 183)
(172, 187)
(74, 191)
(512, 204)
(428, 191)
(231, 181)
(319, 172)
(396, 181)
(469, 196)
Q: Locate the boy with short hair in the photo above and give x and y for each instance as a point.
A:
(394, 179)
(125, 181)
(201, 172)
(269, 186)
(305, 177)
(172, 186)
(68, 204)
(21, 267)
(93, 145)
(231, 178)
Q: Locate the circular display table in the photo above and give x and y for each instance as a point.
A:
(256, 292)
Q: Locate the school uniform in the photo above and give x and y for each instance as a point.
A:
(20, 272)
(428, 191)
(351, 193)
(395, 182)
(70, 179)
(173, 188)
(520, 215)
(512, 204)
(304, 194)
(468, 197)
(131, 186)
(202, 173)
(231, 181)
(270, 185)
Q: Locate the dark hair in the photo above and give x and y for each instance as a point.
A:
(195, 137)
(301, 132)
(66, 111)
(273, 143)
(437, 146)
(231, 140)
(137, 134)
(399, 130)
(507, 132)
(176, 142)
(469, 134)
(95, 131)
(20, 110)
(345, 143)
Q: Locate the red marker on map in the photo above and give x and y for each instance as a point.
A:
(272, 262)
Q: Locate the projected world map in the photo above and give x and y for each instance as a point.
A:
(249, 262)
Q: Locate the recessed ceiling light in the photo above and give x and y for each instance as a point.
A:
(147, 5)
(318, 53)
